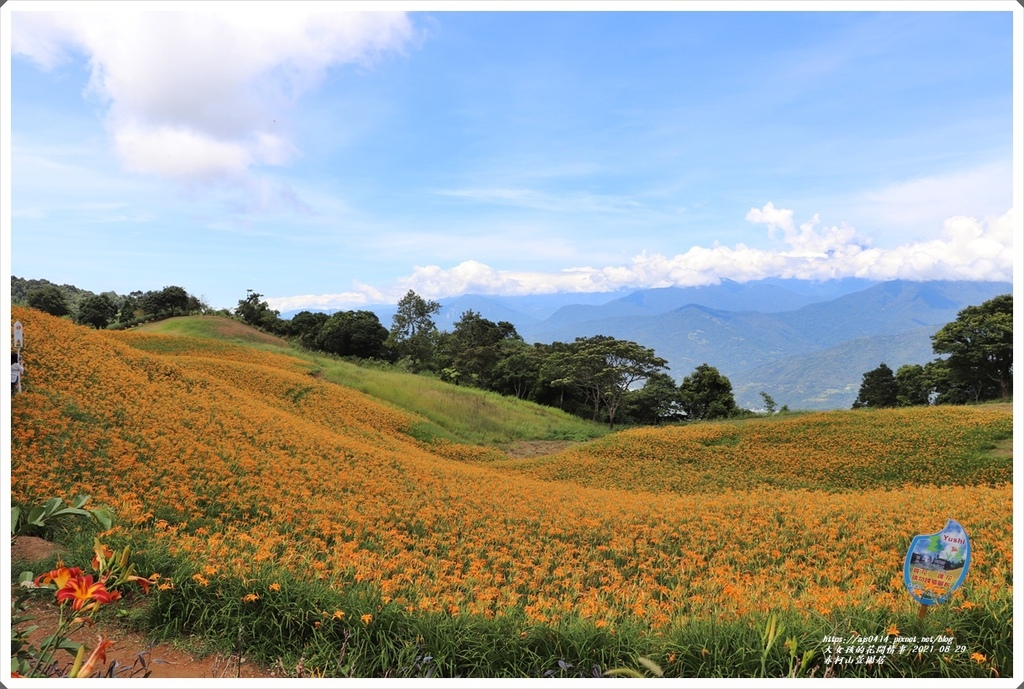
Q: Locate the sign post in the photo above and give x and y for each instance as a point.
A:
(936, 565)
(17, 369)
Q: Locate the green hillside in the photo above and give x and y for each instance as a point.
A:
(455, 413)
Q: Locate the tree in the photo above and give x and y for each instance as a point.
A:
(97, 311)
(257, 313)
(49, 298)
(131, 307)
(603, 368)
(306, 326)
(706, 394)
(980, 348)
(914, 387)
(518, 369)
(769, 403)
(353, 333)
(413, 333)
(627, 363)
(657, 401)
(878, 389)
(473, 349)
(170, 300)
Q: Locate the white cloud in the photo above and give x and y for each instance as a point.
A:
(199, 94)
(911, 210)
(968, 249)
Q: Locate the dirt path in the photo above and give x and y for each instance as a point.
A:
(523, 449)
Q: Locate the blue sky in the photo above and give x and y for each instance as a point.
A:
(340, 159)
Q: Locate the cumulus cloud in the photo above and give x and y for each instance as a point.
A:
(205, 94)
(967, 249)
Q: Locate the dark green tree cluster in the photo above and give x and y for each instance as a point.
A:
(345, 333)
(107, 309)
(975, 363)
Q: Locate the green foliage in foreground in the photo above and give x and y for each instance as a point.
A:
(355, 632)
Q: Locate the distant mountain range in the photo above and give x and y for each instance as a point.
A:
(807, 344)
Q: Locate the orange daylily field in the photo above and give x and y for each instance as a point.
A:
(237, 458)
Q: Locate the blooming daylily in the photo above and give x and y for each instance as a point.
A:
(81, 589)
(102, 556)
(59, 576)
(142, 581)
(99, 654)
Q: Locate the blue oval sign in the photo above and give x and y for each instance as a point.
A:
(937, 564)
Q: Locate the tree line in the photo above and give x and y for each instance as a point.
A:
(599, 377)
(975, 363)
(106, 309)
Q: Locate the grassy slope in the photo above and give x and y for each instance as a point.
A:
(455, 413)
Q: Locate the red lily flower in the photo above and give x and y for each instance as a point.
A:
(81, 589)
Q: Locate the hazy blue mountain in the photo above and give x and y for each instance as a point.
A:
(520, 311)
(812, 357)
(763, 296)
(490, 308)
(830, 378)
(890, 308)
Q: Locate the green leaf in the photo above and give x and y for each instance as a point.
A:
(80, 500)
(104, 516)
(35, 516)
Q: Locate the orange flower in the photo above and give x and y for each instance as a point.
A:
(978, 657)
(59, 576)
(338, 614)
(99, 654)
(366, 618)
(250, 598)
(142, 582)
(275, 586)
(893, 630)
(102, 555)
(81, 589)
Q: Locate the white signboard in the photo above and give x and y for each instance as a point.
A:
(19, 337)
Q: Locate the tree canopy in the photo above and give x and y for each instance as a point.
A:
(413, 333)
(49, 298)
(706, 394)
(878, 389)
(979, 345)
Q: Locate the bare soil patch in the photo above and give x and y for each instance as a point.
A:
(1004, 448)
(225, 327)
(524, 449)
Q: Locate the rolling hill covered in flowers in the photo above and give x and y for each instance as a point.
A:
(267, 495)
